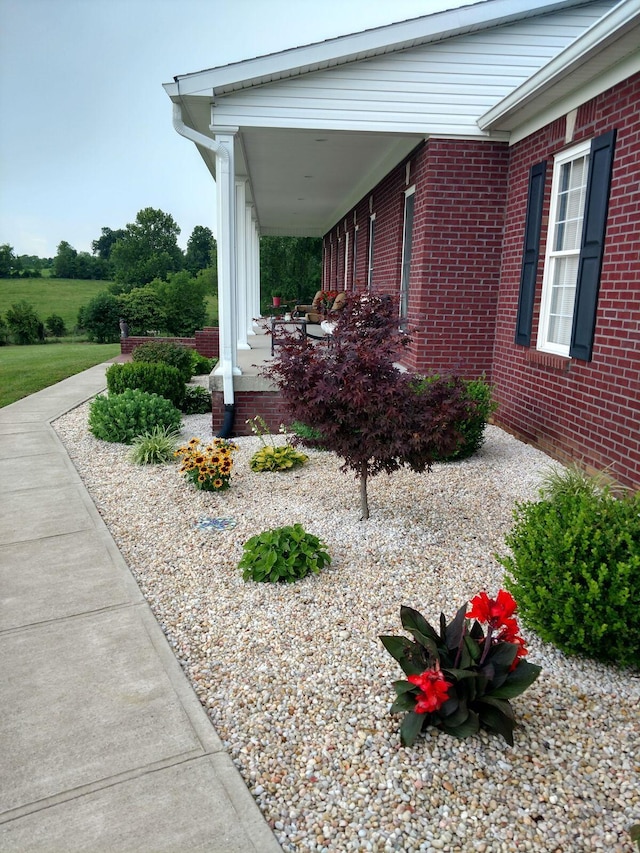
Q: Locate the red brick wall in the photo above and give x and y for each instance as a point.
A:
(457, 239)
(206, 342)
(585, 411)
(248, 404)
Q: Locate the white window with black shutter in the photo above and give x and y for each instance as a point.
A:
(574, 251)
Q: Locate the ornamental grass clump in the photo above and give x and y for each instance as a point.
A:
(460, 679)
(271, 456)
(283, 554)
(155, 447)
(207, 467)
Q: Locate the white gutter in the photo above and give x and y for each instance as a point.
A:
(225, 181)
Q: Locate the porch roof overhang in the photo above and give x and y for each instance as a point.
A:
(606, 54)
(305, 170)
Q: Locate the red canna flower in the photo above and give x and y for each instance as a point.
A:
(495, 612)
(434, 690)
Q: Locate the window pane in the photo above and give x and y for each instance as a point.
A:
(563, 292)
(570, 207)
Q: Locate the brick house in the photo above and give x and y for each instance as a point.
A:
(482, 165)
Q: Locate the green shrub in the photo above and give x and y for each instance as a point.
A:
(306, 432)
(574, 569)
(123, 417)
(55, 326)
(166, 352)
(155, 447)
(197, 400)
(200, 364)
(477, 393)
(282, 554)
(24, 324)
(161, 379)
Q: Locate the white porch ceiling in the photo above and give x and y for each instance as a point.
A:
(302, 181)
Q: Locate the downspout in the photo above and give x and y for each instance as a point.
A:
(227, 368)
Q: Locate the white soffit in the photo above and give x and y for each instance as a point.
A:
(606, 54)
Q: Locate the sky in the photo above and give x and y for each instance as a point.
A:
(87, 138)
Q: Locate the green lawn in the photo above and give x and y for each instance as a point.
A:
(26, 369)
(62, 296)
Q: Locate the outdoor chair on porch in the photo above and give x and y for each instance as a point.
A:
(317, 316)
(315, 305)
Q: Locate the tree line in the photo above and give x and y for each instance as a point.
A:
(151, 284)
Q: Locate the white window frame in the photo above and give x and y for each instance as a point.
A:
(346, 260)
(372, 220)
(552, 255)
(405, 264)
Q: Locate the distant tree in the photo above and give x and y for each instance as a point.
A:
(104, 244)
(147, 250)
(89, 267)
(290, 267)
(199, 249)
(100, 318)
(143, 310)
(7, 261)
(24, 324)
(183, 300)
(365, 409)
(64, 263)
(55, 326)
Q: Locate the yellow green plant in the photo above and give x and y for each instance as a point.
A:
(272, 456)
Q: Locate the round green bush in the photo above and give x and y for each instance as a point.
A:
(480, 406)
(154, 378)
(123, 417)
(167, 353)
(574, 570)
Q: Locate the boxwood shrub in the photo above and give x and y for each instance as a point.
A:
(480, 407)
(574, 569)
(155, 378)
(123, 417)
(167, 353)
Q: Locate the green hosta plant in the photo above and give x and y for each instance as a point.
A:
(273, 457)
(283, 554)
(459, 678)
(155, 447)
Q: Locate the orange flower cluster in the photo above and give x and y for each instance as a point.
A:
(207, 467)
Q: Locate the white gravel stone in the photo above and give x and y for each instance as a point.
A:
(298, 685)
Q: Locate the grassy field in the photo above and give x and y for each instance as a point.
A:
(62, 296)
(26, 369)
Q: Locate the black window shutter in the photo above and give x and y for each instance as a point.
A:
(530, 253)
(592, 246)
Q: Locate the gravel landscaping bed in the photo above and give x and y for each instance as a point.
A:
(298, 685)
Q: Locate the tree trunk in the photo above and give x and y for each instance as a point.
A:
(364, 502)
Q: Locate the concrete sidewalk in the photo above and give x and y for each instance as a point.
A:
(104, 746)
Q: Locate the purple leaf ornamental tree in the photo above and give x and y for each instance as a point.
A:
(366, 410)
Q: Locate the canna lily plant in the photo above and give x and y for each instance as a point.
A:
(460, 679)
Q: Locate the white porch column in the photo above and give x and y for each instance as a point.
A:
(250, 256)
(227, 312)
(256, 266)
(241, 264)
